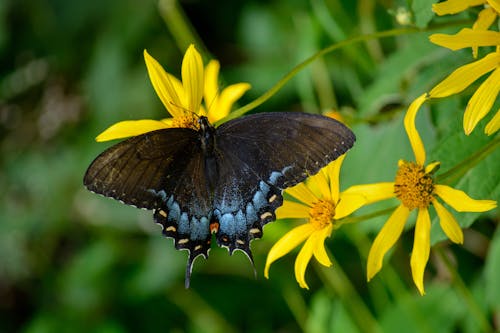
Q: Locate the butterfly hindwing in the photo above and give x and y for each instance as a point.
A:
(243, 202)
(260, 155)
(161, 170)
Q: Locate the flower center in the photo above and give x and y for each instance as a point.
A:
(188, 120)
(413, 186)
(322, 213)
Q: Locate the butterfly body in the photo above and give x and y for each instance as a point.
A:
(226, 180)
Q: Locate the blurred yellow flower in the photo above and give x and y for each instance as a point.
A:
(457, 6)
(415, 188)
(483, 99)
(318, 202)
(182, 99)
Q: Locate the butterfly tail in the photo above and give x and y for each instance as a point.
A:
(183, 241)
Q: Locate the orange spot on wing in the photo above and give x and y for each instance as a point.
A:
(214, 227)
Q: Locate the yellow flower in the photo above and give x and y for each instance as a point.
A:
(319, 202)
(182, 99)
(415, 188)
(457, 6)
(219, 103)
(483, 99)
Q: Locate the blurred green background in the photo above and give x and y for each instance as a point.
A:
(72, 261)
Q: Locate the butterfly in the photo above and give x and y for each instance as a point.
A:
(226, 181)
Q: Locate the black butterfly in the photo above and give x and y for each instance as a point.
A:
(226, 180)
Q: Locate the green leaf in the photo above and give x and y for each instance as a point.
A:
(492, 273)
(327, 315)
(341, 321)
(84, 283)
(162, 268)
(438, 311)
(481, 182)
(390, 78)
(422, 9)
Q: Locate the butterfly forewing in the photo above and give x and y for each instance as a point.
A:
(288, 147)
(131, 171)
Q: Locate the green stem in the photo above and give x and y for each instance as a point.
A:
(338, 283)
(395, 286)
(475, 309)
(362, 38)
(205, 318)
(355, 219)
(296, 304)
(274, 89)
(179, 26)
(467, 164)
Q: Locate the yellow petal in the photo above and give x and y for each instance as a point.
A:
(202, 111)
(164, 86)
(481, 102)
(463, 76)
(495, 4)
(293, 210)
(225, 102)
(372, 192)
(211, 88)
(432, 167)
(493, 125)
(125, 129)
(484, 20)
(193, 79)
(302, 193)
(411, 129)
(303, 259)
(348, 203)
(448, 223)
(335, 115)
(461, 202)
(319, 250)
(333, 170)
(454, 6)
(318, 184)
(388, 235)
(168, 121)
(287, 243)
(466, 38)
(421, 248)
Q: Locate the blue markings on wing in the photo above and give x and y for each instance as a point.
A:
(251, 214)
(227, 225)
(240, 222)
(199, 228)
(259, 200)
(273, 178)
(195, 228)
(174, 211)
(184, 224)
(264, 188)
(240, 218)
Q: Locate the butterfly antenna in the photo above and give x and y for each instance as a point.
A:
(209, 105)
(185, 110)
